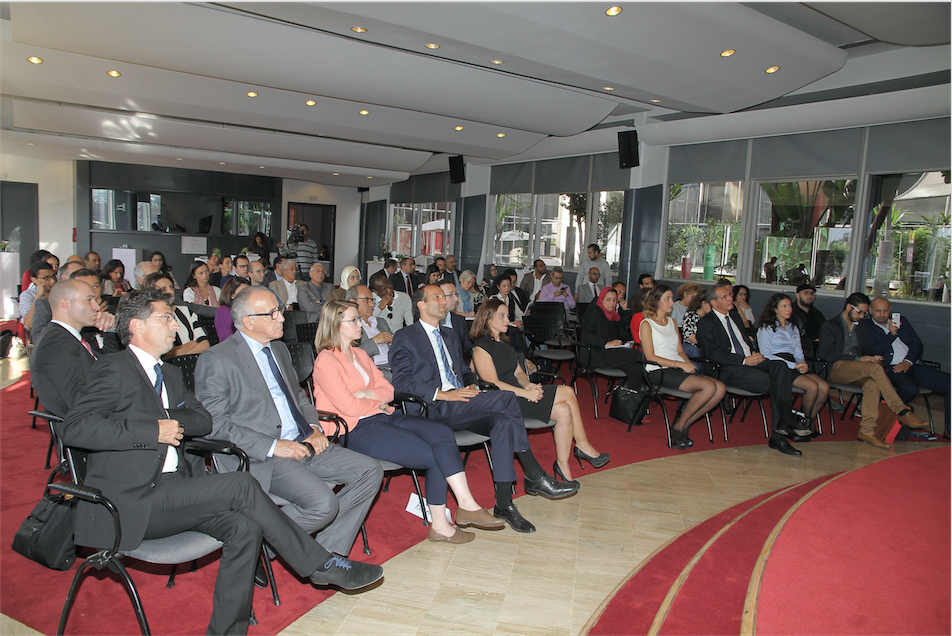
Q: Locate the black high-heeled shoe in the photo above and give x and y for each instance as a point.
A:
(558, 474)
(597, 462)
(678, 439)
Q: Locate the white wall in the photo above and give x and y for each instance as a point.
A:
(347, 200)
(56, 181)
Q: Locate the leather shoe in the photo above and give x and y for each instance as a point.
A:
(910, 420)
(549, 487)
(341, 572)
(460, 536)
(872, 440)
(481, 519)
(510, 514)
(780, 443)
(261, 576)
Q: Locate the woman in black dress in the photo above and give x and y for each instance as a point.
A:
(497, 362)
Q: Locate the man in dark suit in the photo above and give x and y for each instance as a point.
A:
(458, 325)
(745, 368)
(522, 298)
(101, 336)
(406, 280)
(133, 420)
(249, 385)
(427, 362)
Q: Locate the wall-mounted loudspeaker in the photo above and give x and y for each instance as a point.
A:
(457, 170)
(628, 149)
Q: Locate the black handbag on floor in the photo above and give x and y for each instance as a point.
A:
(46, 536)
(629, 405)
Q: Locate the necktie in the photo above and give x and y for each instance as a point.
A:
(739, 348)
(450, 375)
(88, 348)
(406, 283)
(158, 378)
(304, 429)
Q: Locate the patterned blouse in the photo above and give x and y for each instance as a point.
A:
(689, 326)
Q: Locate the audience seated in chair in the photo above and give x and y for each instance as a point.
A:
(375, 334)
(288, 288)
(394, 306)
(315, 292)
(224, 325)
(190, 337)
(606, 334)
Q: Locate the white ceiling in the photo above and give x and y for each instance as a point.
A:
(185, 69)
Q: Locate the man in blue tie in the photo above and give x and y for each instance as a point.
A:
(249, 386)
(427, 362)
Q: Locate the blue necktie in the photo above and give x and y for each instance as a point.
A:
(304, 429)
(447, 367)
(158, 380)
(737, 345)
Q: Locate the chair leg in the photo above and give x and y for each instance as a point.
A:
(71, 596)
(746, 408)
(763, 414)
(667, 424)
(386, 484)
(724, 419)
(710, 433)
(925, 397)
(36, 406)
(49, 454)
(270, 572)
(363, 534)
(116, 566)
(423, 510)
(591, 381)
(171, 582)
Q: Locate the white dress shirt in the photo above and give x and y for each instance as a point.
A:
(148, 365)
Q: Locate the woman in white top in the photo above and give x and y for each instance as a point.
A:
(197, 290)
(779, 339)
(741, 300)
(671, 368)
(504, 285)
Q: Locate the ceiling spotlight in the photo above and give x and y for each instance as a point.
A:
(608, 88)
(612, 11)
(495, 61)
(500, 135)
(773, 69)
(655, 101)
(728, 53)
(251, 94)
(29, 143)
(370, 177)
(84, 150)
(310, 102)
(365, 112)
(113, 73)
(358, 29)
(34, 60)
(262, 167)
(459, 128)
(336, 174)
(432, 46)
(178, 158)
(221, 163)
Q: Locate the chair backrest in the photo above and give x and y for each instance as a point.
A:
(187, 364)
(306, 332)
(555, 308)
(302, 356)
(208, 324)
(540, 327)
(292, 318)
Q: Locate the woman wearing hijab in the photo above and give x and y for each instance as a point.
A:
(348, 278)
(607, 334)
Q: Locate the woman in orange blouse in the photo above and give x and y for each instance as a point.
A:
(347, 382)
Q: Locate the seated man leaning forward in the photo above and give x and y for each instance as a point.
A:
(427, 362)
(133, 419)
(249, 386)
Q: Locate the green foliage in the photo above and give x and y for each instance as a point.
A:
(609, 216)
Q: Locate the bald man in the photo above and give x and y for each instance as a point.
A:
(61, 361)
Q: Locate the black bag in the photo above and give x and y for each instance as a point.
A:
(6, 340)
(629, 405)
(46, 536)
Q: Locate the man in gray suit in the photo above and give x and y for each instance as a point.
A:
(375, 334)
(312, 296)
(288, 287)
(249, 386)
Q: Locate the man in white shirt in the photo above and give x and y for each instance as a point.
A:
(392, 305)
(375, 335)
(451, 270)
(288, 287)
(594, 259)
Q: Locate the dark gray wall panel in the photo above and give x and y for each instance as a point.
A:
(834, 152)
(720, 161)
(914, 145)
(511, 178)
(470, 227)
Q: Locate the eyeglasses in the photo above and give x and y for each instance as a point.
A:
(452, 295)
(366, 298)
(165, 317)
(274, 313)
(861, 313)
(353, 320)
(46, 277)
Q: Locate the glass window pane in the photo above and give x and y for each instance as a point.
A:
(103, 216)
(253, 216)
(435, 228)
(907, 242)
(228, 217)
(610, 207)
(803, 232)
(513, 227)
(703, 230)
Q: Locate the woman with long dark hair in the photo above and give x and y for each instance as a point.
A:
(198, 290)
(224, 325)
(779, 339)
(498, 362)
(671, 367)
(113, 279)
(431, 277)
(259, 245)
(158, 259)
(741, 302)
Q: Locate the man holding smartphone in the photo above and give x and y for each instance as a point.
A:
(893, 338)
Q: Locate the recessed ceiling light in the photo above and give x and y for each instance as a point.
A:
(336, 174)
(178, 158)
(773, 69)
(310, 102)
(370, 177)
(432, 46)
(500, 135)
(113, 73)
(358, 29)
(495, 61)
(612, 11)
(251, 94)
(221, 163)
(655, 101)
(459, 128)
(365, 112)
(83, 150)
(262, 167)
(728, 53)
(34, 60)
(608, 88)
(29, 143)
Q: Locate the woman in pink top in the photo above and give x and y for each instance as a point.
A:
(347, 382)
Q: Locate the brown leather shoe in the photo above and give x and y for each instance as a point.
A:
(460, 536)
(482, 519)
(869, 438)
(910, 420)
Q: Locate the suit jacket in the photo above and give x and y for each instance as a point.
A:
(60, 367)
(367, 344)
(461, 331)
(230, 385)
(714, 342)
(43, 317)
(585, 293)
(309, 300)
(281, 290)
(116, 418)
(833, 339)
(528, 283)
(881, 342)
(336, 380)
(522, 298)
(414, 365)
(400, 285)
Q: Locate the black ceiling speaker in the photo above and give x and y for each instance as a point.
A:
(457, 169)
(628, 149)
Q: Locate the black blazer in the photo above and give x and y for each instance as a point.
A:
(521, 297)
(59, 368)
(833, 338)
(714, 342)
(116, 418)
(398, 283)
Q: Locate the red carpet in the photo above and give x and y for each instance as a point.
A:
(34, 595)
(869, 554)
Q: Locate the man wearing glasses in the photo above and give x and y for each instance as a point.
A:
(375, 336)
(43, 277)
(458, 325)
(249, 385)
(843, 344)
